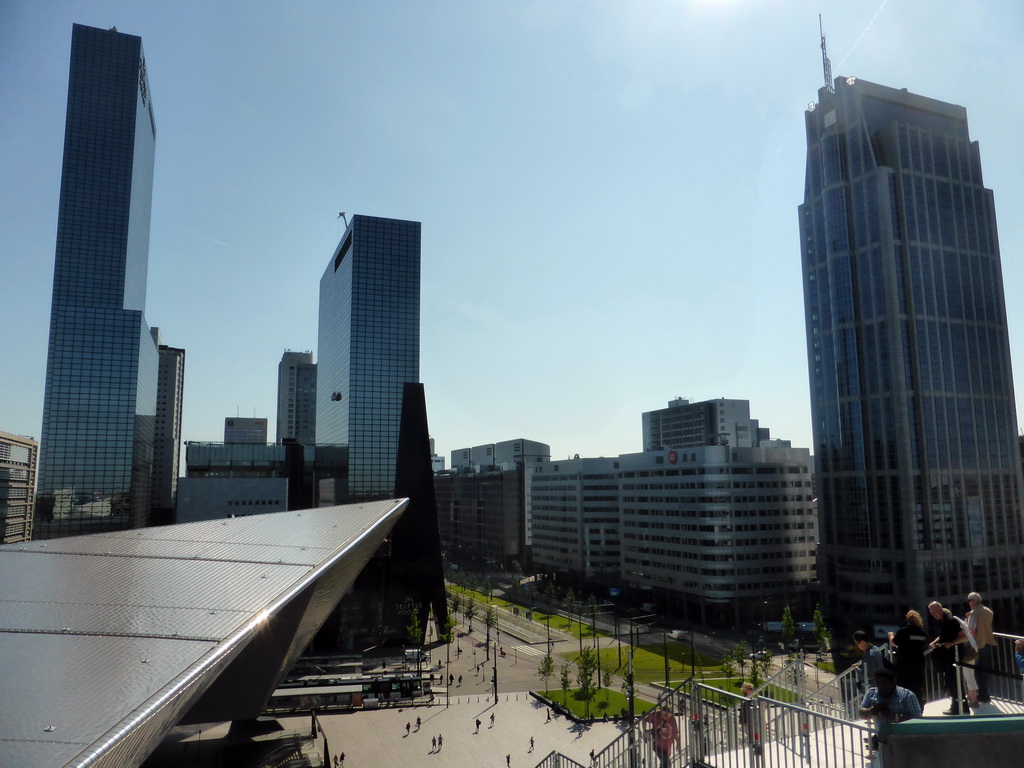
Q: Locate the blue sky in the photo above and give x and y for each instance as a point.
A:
(608, 190)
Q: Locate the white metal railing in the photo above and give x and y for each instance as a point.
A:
(790, 679)
(720, 729)
(839, 697)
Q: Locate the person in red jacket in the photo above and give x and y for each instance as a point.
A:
(664, 734)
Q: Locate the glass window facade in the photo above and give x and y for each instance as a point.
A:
(96, 450)
(368, 347)
(912, 398)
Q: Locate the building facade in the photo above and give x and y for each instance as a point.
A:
(915, 428)
(717, 519)
(685, 424)
(573, 519)
(19, 457)
(245, 430)
(481, 503)
(296, 398)
(306, 470)
(170, 393)
(96, 446)
(369, 332)
(719, 535)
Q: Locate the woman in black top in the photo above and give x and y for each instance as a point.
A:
(910, 644)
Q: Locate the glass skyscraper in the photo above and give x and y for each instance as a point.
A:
(915, 427)
(96, 449)
(369, 348)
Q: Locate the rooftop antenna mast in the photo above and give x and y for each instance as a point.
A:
(824, 59)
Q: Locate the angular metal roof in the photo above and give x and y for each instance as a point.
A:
(109, 640)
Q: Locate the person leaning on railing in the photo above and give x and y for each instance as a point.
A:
(944, 655)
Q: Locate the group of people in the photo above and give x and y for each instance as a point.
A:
(960, 644)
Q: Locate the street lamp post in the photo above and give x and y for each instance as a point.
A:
(664, 652)
(693, 655)
(618, 640)
(495, 673)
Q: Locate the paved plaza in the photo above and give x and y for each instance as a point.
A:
(378, 738)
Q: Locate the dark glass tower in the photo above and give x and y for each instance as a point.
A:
(96, 450)
(915, 427)
(369, 348)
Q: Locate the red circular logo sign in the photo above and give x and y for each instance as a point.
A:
(672, 457)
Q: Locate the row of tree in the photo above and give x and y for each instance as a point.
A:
(587, 683)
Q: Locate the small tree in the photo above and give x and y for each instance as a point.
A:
(415, 634)
(759, 667)
(546, 670)
(739, 655)
(566, 682)
(456, 602)
(586, 665)
(821, 634)
(788, 629)
(728, 667)
(414, 631)
(470, 612)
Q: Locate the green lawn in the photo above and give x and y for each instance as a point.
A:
(607, 702)
(649, 663)
(540, 618)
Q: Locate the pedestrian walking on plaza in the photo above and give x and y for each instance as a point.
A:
(531, 743)
(418, 721)
(508, 760)
(492, 720)
(408, 727)
(440, 741)
(477, 726)
(433, 744)
(341, 760)
(549, 717)
(460, 681)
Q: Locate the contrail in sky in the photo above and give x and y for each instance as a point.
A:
(862, 35)
(218, 242)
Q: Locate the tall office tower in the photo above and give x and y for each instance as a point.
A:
(239, 430)
(96, 451)
(296, 398)
(369, 348)
(170, 390)
(18, 465)
(915, 427)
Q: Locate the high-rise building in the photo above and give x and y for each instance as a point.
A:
(244, 430)
(296, 398)
(170, 391)
(96, 447)
(915, 428)
(18, 464)
(369, 348)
